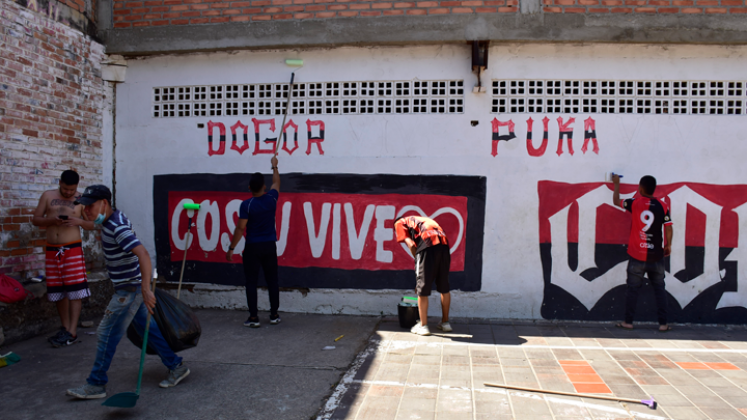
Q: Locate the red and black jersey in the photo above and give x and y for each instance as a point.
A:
(650, 215)
(424, 231)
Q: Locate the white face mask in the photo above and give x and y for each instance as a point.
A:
(101, 217)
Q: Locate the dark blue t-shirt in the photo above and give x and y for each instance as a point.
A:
(260, 213)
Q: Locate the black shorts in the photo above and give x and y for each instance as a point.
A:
(432, 265)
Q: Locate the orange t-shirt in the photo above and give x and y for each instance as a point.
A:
(424, 231)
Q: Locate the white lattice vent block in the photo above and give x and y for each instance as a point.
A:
(324, 98)
(619, 97)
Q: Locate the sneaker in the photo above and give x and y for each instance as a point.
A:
(274, 319)
(252, 322)
(175, 376)
(57, 335)
(444, 326)
(420, 329)
(63, 340)
(87, 392)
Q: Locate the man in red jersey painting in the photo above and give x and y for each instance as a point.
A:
(428, 244)
(646, 247)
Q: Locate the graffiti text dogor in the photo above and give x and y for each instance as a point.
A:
(262, 130)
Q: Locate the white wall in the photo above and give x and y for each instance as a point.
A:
(674, 148)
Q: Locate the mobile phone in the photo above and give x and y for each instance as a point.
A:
(63, 216)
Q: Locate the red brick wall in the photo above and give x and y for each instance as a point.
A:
(51, 101)
(646, 6)
(128, 14)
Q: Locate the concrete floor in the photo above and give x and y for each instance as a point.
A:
(274, 372)
(694, 372)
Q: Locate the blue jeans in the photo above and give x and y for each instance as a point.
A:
(655, 271)
(125, 307)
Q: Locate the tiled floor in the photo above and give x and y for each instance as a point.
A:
(692, 372)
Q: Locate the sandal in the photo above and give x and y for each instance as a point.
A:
(666, 329)
(621, 326)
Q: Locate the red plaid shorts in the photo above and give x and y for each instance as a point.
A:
(66, 272)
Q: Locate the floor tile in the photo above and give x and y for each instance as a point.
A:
(568, 407)
(407, 414)
(684, 413)
(692, 365)
(592, 388)
(722, 413)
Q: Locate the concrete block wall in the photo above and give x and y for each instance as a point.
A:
(51, 102)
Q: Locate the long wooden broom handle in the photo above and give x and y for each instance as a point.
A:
(287, 107)
(570, 394)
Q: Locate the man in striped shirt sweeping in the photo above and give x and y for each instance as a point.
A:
(129, 267)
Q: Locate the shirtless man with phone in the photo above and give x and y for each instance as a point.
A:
(67, 283)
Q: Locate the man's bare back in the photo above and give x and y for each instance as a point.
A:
(54, 204)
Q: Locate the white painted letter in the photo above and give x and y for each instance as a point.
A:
(231, 208)
(317, 241)
(382, 234)
(283, 237)
(336, 231)
(212, 209)
(179, 241)
(358, 240)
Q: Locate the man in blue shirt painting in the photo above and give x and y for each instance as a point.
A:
(257, 219)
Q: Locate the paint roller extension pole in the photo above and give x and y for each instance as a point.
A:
(187, 206)
(293, 63)
(649, 403)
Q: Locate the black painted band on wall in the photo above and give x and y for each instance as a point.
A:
(473, 188)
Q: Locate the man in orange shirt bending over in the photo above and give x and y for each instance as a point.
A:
(428, 244)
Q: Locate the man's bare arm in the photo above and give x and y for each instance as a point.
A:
(616, 192)
(82, 222)
(146, 268)
(40, 211)
(237, 234)
(668, 232)
(412, 245)
(275, 174)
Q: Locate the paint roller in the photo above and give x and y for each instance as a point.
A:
(608, 176)
(191, 208)
(291, 63)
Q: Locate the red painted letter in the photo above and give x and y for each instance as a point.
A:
(222, 147)
(540, 151)
(234, 145)
(315, 140)
(498, 137)
(295, 137)
(590, 133)
(567, 131)
(257, 149)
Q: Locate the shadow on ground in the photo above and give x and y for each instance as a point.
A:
(274, 372)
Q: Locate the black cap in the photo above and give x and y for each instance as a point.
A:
(93, 194)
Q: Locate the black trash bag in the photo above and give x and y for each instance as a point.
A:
(178, 324)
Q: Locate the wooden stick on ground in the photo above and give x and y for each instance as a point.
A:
(650, 403)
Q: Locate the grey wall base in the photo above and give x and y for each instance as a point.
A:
(22, 320)
(423, 30)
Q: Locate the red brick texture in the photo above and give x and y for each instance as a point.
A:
(51, 112)
(129, 14)
(645, 6)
